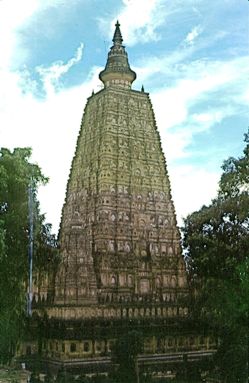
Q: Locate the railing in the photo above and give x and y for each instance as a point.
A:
(178, 357)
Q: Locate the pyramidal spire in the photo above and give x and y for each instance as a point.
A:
(117, 37)
(117, 71)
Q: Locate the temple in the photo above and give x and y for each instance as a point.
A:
(118, 236)
(121, 264)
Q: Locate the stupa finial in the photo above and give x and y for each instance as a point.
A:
(117, 37)
(117, 71)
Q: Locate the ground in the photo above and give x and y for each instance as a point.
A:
(9, 375)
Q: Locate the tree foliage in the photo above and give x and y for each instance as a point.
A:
(216, 241)
(16, 175)
(235, 178)
(125, 353)
(216, 238)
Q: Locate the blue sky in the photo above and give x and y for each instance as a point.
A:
(190, 55)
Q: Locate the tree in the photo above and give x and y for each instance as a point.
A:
(235, 178)
(125, 354)
(216, 241)
(16, 174)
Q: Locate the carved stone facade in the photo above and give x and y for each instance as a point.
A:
(118, 236)
(122, 265)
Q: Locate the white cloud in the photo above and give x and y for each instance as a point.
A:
(197, 82)
(192, 187)
(178, 121)
(139, 20)
(50, 127)
(57, 127)
(192, 36)
(50, 75)
(14, 15)
(175, 142)
(179, 63)
(212, 117)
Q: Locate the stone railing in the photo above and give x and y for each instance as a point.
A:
(116, 312)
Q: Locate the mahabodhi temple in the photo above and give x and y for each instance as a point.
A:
(122, 266)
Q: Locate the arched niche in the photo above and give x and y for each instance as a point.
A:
(144, 286)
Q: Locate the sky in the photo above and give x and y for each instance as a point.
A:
(190, 55)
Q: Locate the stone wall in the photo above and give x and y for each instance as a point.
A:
(118, 232)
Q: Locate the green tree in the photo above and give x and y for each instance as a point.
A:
(125, 353)
(16, 174)
(216, 241)
(235, 178)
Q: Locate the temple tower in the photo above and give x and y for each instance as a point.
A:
(118, 235)
(121, 263)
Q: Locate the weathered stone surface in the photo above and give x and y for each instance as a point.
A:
(118, 236)
(122, 267)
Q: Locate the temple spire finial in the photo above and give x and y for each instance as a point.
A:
(117, 71)
(117, 37)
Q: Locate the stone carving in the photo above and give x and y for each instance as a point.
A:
(118, 220)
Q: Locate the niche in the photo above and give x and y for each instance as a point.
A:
(144, 286)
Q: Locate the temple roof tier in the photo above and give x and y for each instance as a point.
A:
(117, 70)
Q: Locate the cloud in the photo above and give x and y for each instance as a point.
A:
(184, 106)
(50, 75)
(139, 20)
(182, 62)
(176, 141)
(192, 187)
(183, 100)
(14, 16)
(55, 120)
(215, 116)
(192, 36)
(50, 126)
(195, 86)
